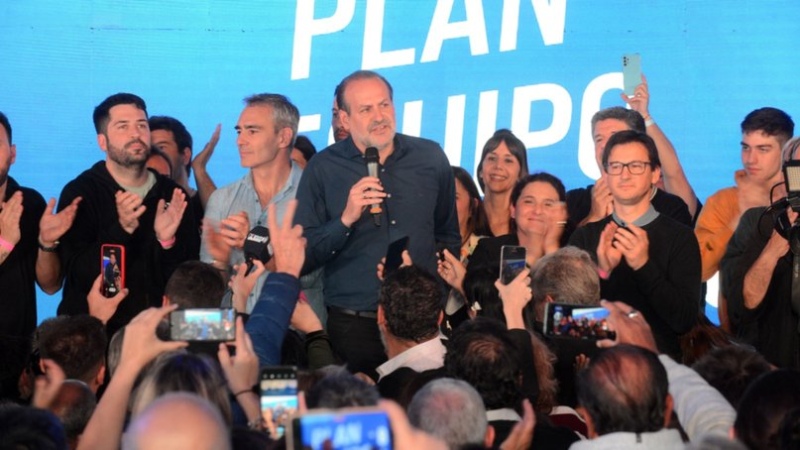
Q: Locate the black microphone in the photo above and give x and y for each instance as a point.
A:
(373, 160)
(257, 246)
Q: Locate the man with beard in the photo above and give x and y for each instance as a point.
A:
(124, 203)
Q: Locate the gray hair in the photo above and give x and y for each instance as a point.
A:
(451, 410)
(567, 275)
(284, 113)
(632, 119)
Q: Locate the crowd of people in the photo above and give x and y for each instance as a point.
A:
(452, 356)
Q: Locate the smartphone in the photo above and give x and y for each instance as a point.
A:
(576, 321)
(512, 262)
(349, 428)
(394, 256)
(203, 324)
(631, 72)
(112, 266)
(278, 385)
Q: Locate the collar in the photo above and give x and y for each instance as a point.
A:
(347, 148)
(650, 215)
(421, 357)
(502, 414)
(292, 181)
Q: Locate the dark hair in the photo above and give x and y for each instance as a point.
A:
(179, 132)
(515, 146)
(477, 223)
(411, 300)
(76, 343)
(306, 147)
(542, 177)
(763, 406)
(284, 113)
(627, 137)
(479, 288)
(7, 125)
(482, 353)
(770, 121)
(23, 427)
(195, 284)
(633, 120)
(155, 151)
(624, 389)
(102, 111)
(341, 389)
(74, 406)
(731, 369)
(341, 88)
(789, 433)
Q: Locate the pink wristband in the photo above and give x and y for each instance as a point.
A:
(168, 243)
(602, 273)
(5, 245)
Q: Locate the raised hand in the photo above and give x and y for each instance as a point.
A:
(608, 256)
(555, 228)
(633, 244)
(630, 326)
(129, 209)
(140, 344)
(602, 201)
(216, 244)
(241, 371)
(52, 226)
(515, 295)
(200, 161)
(288, 243)
(242, 284)
(168, 216)
(234, 229)
(101, 306)
(640, 100)
(452, 271)
(10, 215)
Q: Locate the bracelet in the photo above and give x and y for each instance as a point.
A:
(168, 243)
(243, 391)
(5, 245)
(649, 121)
(602, 273)
(51, 249)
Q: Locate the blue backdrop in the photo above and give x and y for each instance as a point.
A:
(460, 70)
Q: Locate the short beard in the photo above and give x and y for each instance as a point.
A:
(123, 159)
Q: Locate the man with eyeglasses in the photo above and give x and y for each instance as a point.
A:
(645, 258)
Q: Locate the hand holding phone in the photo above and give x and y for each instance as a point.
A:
(394, 256)
(343, 428)
(512, 261)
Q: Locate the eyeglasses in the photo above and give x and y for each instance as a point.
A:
(634, 167)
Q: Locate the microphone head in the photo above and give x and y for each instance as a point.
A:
(371, 154)
(257, 245)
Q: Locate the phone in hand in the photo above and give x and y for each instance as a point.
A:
(278, 386)
(348, 428)
(112, 266)
(577, 321)
(512, 262)
(394, 256)
(203, 324)
(631, 73)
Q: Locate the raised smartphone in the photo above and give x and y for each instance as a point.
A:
(278, 386)
(575, 321)
(112, 266)
(512, 262)
(353, 428)
(203, 324)
(631, 73)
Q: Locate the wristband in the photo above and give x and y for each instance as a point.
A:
(602, 273)
(649, 122)
(168, 243)
(243, 391)
(51, 249)
(5, 245)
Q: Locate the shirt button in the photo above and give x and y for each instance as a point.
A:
(383, 170)
(394, 222)
(333, 252)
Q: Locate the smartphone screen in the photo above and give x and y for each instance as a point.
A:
(579, 322)
(394, 256)
(217, 325)
(278, 387)
(342, 429)
(512, 262)
(112, 266)
(631, 72)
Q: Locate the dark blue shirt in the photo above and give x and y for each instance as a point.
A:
(421, 205)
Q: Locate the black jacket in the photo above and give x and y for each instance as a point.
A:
(147, 264)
